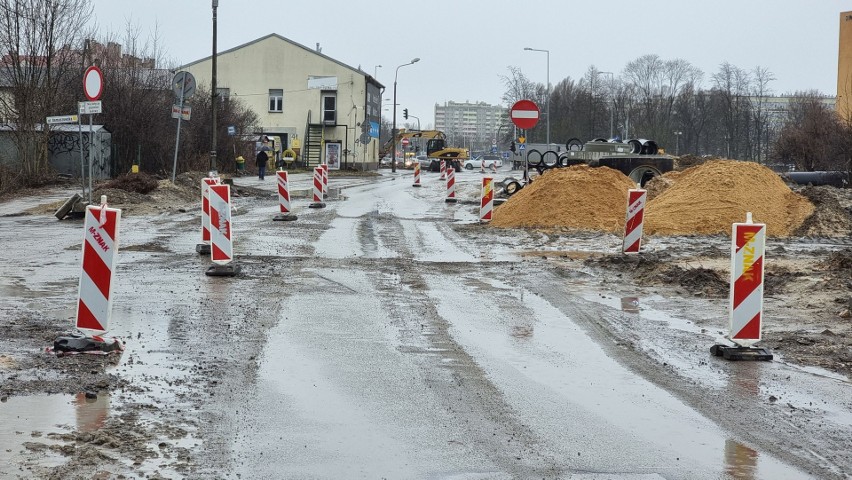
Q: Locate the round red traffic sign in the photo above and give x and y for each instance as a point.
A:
(524, 114)
(404, 142)
(93, 83)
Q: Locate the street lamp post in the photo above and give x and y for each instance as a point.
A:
(393, 130)
(677, 142)
(547, 108)
(213, 94)
(612, 101)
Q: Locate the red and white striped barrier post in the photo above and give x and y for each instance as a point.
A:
(745, 305)
(443, 170)
(284, 197)
(486, 205)
(203, 248)
(324, 180)
(636, 198)
(416, 174)
(748, 242)
(221, 232)
(100, 252)
(451, 185)
(317, 190)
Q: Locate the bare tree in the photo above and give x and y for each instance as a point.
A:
(813, 137)
(39, 40)
(760, 90)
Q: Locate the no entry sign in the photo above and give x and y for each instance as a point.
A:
(524, 114)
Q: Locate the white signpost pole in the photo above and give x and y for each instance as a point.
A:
(183, 85)
(177, 137)
(93, 87)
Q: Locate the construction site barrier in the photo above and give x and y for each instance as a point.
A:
(100, 252)
(636, 199)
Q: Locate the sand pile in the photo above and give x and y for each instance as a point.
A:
(708, 198)
(575, 197)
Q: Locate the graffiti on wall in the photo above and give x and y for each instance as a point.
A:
(64, 151)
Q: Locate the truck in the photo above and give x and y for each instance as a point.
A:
(436, 148)
(639, 159)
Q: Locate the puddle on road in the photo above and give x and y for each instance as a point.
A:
(630, 304)
(333, 194)
(740, 461)
(28, 421)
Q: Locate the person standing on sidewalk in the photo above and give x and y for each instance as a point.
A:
(262, 157)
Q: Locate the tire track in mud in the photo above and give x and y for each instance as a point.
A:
(464, 389)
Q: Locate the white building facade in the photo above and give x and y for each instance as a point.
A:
(319, 107)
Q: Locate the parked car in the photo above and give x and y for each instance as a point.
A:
(488, 159)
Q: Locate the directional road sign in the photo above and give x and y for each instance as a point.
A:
(62, 119)
(89, 108)
(524, 114)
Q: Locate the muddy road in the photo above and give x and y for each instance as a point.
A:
(390, 335)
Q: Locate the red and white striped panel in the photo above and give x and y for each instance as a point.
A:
(748, 242)
(443, 170)
(417, 173)
(317, 184)
(283, 191)
(221, 232)
(486, 206)
(205, 207)
(451, 182)
(635, 217)
(324, 178)
(100, 252)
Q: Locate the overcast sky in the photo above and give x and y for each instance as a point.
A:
(465, 46)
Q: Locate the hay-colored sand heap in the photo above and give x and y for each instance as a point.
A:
(576, 197)
(708, 198)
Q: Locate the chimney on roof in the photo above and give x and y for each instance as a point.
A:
(319, 49)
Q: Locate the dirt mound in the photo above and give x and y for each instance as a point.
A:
(133, 182)
(830, 218)
(578, 197)
(708, 198)
(840, 262)
(659, 184)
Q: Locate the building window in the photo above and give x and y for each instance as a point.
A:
(276, 100)
(329, 108)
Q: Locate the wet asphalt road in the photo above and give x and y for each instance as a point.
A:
(391, 336)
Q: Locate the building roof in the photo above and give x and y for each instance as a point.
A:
(297, 44)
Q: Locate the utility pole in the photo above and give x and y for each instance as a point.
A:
(213, 87)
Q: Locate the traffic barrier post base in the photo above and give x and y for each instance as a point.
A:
(317, 205)
(740, 353)
(284, 217)
(203, 248)
(228, 270)
(451, 200)
(79, 342)
(416, 185)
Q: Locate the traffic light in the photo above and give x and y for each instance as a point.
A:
(512, 146)
(405, 113)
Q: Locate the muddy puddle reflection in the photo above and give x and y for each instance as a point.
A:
(740, 461)
(28, 424)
